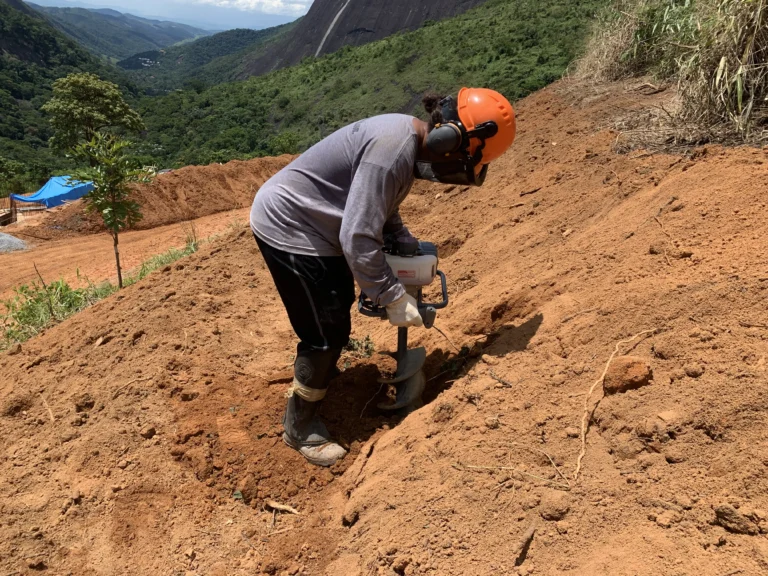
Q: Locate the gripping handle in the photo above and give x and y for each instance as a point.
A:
(428, 311)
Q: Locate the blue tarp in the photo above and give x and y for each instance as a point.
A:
(56, 191)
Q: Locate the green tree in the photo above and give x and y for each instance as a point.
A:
(112, 171)
(84, 105)
(10, 168)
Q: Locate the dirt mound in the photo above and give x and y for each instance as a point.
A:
(171, 464)
(184, 194)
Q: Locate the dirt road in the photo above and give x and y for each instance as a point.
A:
(93, 255)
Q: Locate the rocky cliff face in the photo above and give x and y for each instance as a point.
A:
(333, 24)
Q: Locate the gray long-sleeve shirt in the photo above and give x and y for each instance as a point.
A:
(341, 196)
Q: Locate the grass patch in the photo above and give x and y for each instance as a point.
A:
(364, 348)
(715, 50)
(37, 306)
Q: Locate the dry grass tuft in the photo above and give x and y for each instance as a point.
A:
(715, 50)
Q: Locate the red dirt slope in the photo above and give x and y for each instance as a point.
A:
(142, 436)
(184, 194)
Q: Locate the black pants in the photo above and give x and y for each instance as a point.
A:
(317, 292)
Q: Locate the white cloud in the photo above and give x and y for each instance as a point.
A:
(284, 7)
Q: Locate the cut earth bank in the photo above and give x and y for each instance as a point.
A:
(143, 435)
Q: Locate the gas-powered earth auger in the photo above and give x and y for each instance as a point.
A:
(415, 265)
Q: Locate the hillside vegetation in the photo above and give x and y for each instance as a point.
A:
(715, 50)
(204, 62)
(515, 46)
(115, 35)
(32, 55)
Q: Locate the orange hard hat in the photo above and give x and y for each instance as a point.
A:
(476, 106)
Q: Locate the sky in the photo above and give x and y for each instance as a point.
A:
(207, 14)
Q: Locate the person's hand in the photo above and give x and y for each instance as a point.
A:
(404, 312)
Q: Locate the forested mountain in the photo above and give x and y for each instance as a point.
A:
(515, 46)
(333, 24)
(205, 62)
(32, 55)
(115, 35)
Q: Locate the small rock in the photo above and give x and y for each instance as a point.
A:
(656, 248)
(572, 432)
(693, 370)
(249, 488)
(627, 373)
(490, 360)
(123, 464)
(732, 520)
(190, 553)
(628, 449)
(492, 422)
(98, 342)
(674, 455)
(558, 380)
(15, 404)
(667, 518)
(400, 564)
(351, 515)
(116, 487)
(665, 349)
(530, 502)
(676, 375)
(15, 349)
(669, 417)
(443, 412)
(555, 507)
(563, 527)
(84, 402)
(684, 501)
(188, 396)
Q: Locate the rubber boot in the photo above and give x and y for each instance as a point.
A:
(305, 433)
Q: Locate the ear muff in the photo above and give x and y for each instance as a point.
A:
(444, 139)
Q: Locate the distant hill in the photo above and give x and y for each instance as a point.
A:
(514, 46)
(32, 55)
(208, 61)
(114, 34)
(333, 24)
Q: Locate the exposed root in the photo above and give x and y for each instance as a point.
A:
(551, 461)
(371, 400)
(572, 316)
(749, 325)
(505, 383)
(446, 337)
(586, 419)
(50, 412)
(279, 531)
(520, 551)
(281, 507)
(124, 386)
(460, 466)
(662, 227)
